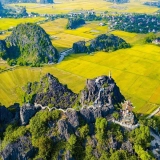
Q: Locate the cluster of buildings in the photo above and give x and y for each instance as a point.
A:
(156, 41)
(82, 13)
(140, 23)
(153, 3)
(126, 114)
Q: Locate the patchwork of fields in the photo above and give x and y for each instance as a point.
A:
(7, 23)
(66, 6)
(63, 38)
(135, 71)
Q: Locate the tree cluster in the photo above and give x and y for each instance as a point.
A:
(101, 43)
(74, 23)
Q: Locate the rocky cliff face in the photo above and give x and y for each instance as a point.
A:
(75, 22)
(1, 10)
(28, 1)
(30, 47)
(2, 48)
(101, 43)
(68, 133)
(46, 1)
(119, 1)
(1, 6)
(5, 117)
(27, 111)
(101, 92)
(18, 1)
(20, 150)
(8, 115)
(79, 47)
(50, 92)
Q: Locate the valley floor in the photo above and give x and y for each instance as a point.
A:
(135, 71)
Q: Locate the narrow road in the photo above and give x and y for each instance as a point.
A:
(153, 113)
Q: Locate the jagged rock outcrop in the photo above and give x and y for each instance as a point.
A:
(153, 3)
(113, 144)
(75, 22)
(2, 48)
(46, 1)
(127, 146)
(73, 118)
(21, 149)
(28, 1)
(67, 133)
(50, 92)
(31, 47)
(1, 6)
(5, 115)
(18, 1)
(68, 156)
(90, 115)
(79, 47)
(8, 115)
(101, 92)
(1, 9)
(119, 1)
(27, 111)
(65, 129)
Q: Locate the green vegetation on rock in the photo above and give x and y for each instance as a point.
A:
(28, 48)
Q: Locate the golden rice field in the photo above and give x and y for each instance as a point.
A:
(66, 6)
(63, 38)
(3, 36)
(135, 71)
(132, 38)
(6, 23)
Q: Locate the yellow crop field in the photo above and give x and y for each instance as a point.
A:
(63, 38)
(12, 82)
(3, 36)
(66, 6)
(7, 23)
(135, 71)
(132, 38)
(55, 27)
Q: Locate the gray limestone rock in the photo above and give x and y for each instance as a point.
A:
(73, 118)
(5, 115)
(22, 149)
(68, 155)
(127, 146)
(2, 47)
(79, 47)
(46, 1)
(27, 111)
(65, 129)
(101, 92)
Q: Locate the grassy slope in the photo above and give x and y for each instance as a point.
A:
(134, 70)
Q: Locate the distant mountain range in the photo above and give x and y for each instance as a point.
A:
(118, 1)
(25, 1)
